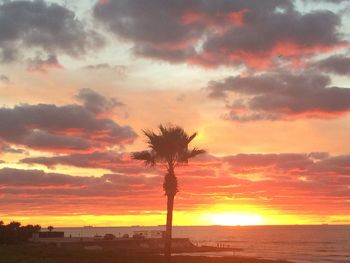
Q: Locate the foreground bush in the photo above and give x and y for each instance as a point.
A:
(14, 233)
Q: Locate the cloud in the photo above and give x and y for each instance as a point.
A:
(37, 25)
(119, 69)
(329, 1)
(289, 35)
(254, 33)
(60, 194)
(338, 64)
(4, 79)
(315, 166)
(6, 148)
(95, 102)
(276, 180)
(113, 161)
(266, 161)
(66, 128)
(18, 177)
(42, 65)
(281, 95)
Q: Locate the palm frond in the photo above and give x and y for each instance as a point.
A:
(192, 137)
(194, 152)
(147, 156)
(169, 145)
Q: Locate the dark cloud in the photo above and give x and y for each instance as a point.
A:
(18, 177)
(283, 164)
(288, 166)
(339, 165)
(44, 140)
(170, 55)
(151, 22)
(287, 34)
(39, 64)
(213, 33)
(328, 1)
(282, 95)
(4, 79)
(338, 64)
(109, 160)
(265, 161)
(63, 128)
(56, 193)
(6, 148)
(38, 178)
(50, 28)
(113, 161)
(97, 103)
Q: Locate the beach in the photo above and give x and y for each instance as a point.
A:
(298, 243)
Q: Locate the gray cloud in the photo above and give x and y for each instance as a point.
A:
(282, 95)
(287, 34)
(113, 161)
(109, 160)
(19, 177)
(283, 161)
(48, 193)
(42, 65)
(50, 28)
(338, 64)
(4, 79)
(289, 166)
(213, 33)
(63, 128)
(328, 1)
(6, 148)
(153, 21)
(97, 103)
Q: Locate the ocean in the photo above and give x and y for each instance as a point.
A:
(299, 243)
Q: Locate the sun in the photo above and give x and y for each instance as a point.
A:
(235, 219)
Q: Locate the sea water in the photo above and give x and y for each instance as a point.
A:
(299, 243)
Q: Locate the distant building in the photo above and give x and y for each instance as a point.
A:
(149, 234)
(52, 234)
(157, 234)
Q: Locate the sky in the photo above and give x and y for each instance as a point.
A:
(266, 84)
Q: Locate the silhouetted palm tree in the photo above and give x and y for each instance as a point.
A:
(169, 147)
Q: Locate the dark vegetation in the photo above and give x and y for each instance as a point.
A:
(49, 253)
(14, 233)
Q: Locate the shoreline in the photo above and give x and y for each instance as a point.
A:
(147, 245)
(50, 253)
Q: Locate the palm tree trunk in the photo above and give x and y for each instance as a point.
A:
(169, 225)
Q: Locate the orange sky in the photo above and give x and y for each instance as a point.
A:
(266, 86)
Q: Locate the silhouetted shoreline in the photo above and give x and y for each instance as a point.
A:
(50, 253)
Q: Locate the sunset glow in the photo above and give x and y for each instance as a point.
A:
(236, 219)
(265, 84)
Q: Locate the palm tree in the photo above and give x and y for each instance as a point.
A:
(169, 147)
